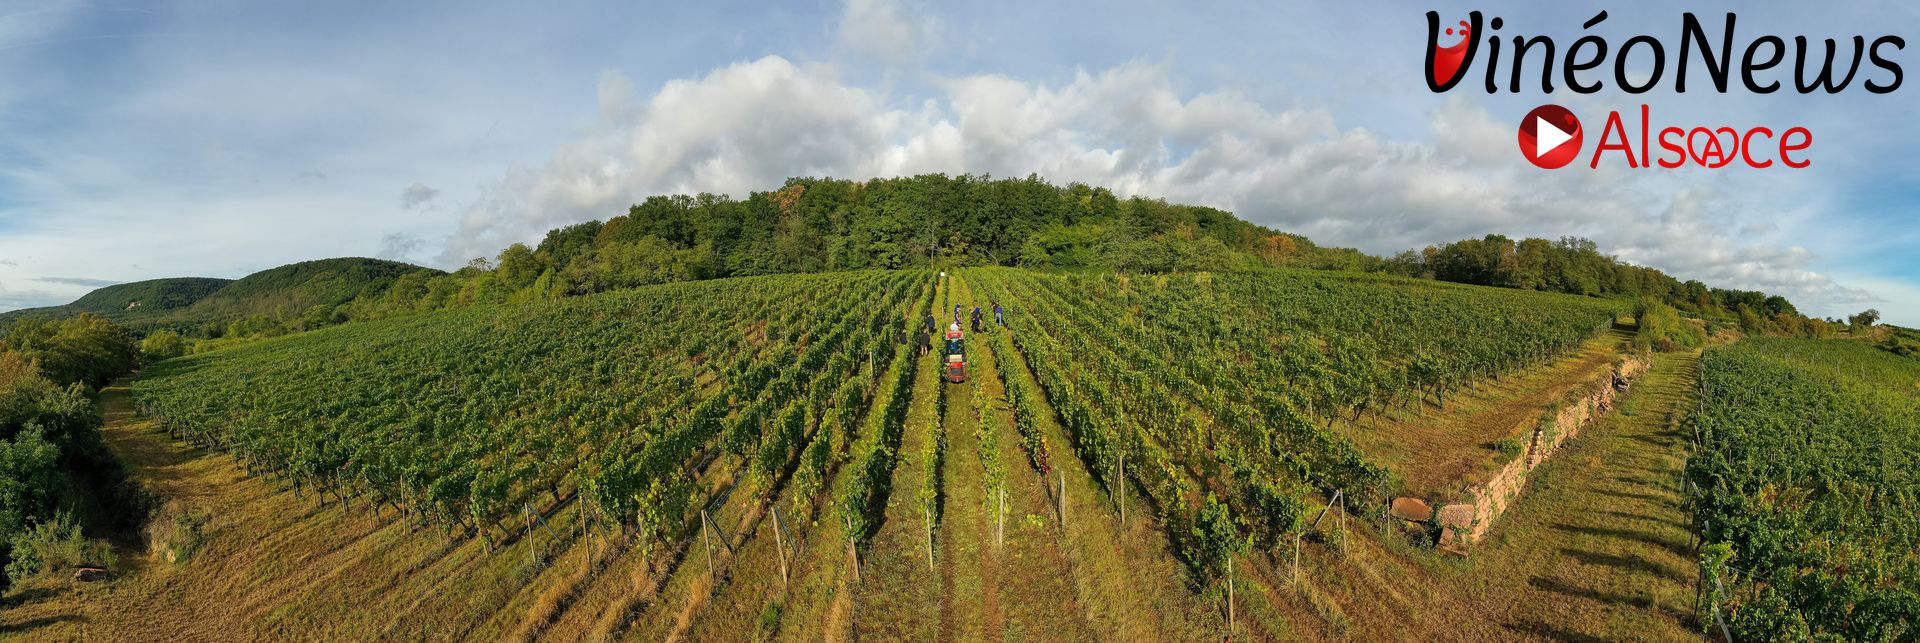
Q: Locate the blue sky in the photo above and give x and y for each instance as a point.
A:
(216, 138)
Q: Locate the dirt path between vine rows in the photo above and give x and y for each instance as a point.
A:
(1599, 549)
(1596, 549)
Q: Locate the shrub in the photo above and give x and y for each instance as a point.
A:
(53, 545)
(1663, 329)
(174, 532)
(770, 619)
(1214, 538)
(1510, 446)
(162, 345)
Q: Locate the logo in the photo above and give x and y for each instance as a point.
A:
(1444, 63)
(1550, 137)
(1764, 64)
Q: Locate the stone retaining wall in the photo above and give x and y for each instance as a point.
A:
(1466, 522)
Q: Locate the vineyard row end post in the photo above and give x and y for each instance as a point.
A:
(853, 553)
(1063, 500)
(707, 538)
(780, 543)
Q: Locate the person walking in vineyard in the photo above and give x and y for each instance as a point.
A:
(999, 316)
(926, 341)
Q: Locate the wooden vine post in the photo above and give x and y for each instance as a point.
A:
(1230, 623)
(1063, 499)
(1000, 536)
(780, 544)
(707, 538)
(853, 553)
(1346, 547)
(532, 558)
(1331, 504)
(1296, 560)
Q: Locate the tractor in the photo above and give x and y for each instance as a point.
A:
(956, 364)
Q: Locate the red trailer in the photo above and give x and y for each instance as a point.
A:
(956, 365)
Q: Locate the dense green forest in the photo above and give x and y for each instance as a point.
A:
(305, 292)
(52, 461)
(812, 225)
(1575, 266)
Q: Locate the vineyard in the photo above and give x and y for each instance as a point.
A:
(1232, 442)
(751, 453)
(1807, 479)
(465, 417)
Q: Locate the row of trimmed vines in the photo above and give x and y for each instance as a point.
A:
(1216, 394)
(623, 399)
(1808, 489)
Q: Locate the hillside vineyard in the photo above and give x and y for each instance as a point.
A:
(1806, 471)
(462, 416)
(1267, 362)
(465, 418)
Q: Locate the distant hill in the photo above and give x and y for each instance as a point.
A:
(296, 287)
(124, 303)
(195, 304)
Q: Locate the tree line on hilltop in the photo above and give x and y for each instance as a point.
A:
(940, 221)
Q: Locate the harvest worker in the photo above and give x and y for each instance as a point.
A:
(999, 317)
(932, 326)
(926, 341)
(956, 314)
(976, 319)
(900, 336)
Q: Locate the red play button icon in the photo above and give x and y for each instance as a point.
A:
(1550, 136)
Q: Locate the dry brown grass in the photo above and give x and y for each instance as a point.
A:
(556, 597)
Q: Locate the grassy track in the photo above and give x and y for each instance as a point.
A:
(1595, 550)
(970, 606)
(1131, 586)
(899, 598)
(1036, 588)
(1600, 548)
